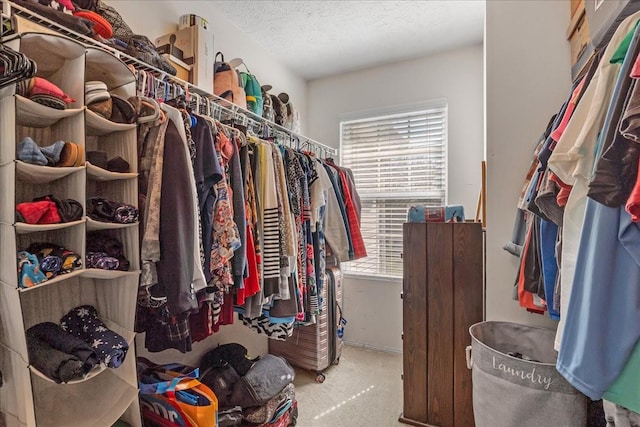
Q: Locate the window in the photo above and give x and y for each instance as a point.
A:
(398, 161)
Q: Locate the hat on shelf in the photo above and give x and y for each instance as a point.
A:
(46, 93)
(95, 91)
(97, 158)
(118, 164)
(122, 110)
(97, 98)
(71, 155)
(49, 101)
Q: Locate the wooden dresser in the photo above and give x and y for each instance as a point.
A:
(442, 297)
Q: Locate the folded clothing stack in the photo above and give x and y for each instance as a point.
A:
(55, 259)
(105, 252)
(104, 210)
(44, 261)
(83, 322)
(58, 354)
(108, 105)
(59, 154)
(29, 272)
(49, 210)
(44, 92)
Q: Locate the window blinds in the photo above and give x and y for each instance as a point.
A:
(398, 161)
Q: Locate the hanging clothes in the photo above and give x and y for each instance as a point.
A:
(574, 156)
(233, 223)
(582, 196)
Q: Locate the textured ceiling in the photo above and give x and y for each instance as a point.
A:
(321, 38)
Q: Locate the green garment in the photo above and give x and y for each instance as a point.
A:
(625, 391)
(621, 51)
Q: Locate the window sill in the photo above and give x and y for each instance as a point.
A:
(360, 276)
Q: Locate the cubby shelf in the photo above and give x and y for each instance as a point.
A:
(28, 397)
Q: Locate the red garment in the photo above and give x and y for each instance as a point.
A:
(557, 133)
(226, 313)
(635, 70)
(201, 323)
(565, 190)
(359, 249)
(633, 203)
(251, 282)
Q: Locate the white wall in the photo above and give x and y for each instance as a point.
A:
(373, 307)
(528, 77)
(156, 18)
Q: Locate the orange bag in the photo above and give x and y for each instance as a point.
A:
(227, 82)
(177, 398)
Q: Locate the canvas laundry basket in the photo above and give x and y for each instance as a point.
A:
(510, 391)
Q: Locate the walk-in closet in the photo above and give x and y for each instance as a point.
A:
(319, 213)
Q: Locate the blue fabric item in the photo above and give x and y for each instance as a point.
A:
(83, 322)
(52, 152)
(603, 320)
(452, 213)
(531, 191)
(29, 271)
(548, 236)
(545, 152)
(29, 152)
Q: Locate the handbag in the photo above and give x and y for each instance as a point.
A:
(227, 82)
(172, 395)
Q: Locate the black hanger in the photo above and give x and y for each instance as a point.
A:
(14, 66)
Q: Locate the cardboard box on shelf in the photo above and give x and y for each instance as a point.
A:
(579, 40)
(196, 45)
(575, 4)
(183, 71)
(579, 37)
(605, 16)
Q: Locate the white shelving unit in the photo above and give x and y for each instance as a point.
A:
(28, 398)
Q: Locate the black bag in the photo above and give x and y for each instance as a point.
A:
(233, 354)
(221, 381)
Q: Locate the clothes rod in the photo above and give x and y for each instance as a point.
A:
(259, 120)
(14, 9)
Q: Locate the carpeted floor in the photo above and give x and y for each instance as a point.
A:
(363, 390)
